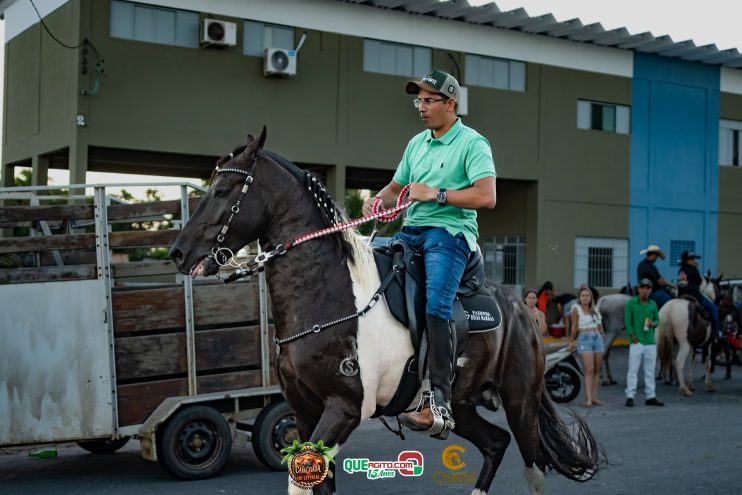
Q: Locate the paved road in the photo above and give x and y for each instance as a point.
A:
(691, 447)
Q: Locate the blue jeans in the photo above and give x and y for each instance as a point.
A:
(714, 312)
(660, 297)
(445, 259)
(590, 342)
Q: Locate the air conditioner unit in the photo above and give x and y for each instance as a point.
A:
(216, 32)
(279, 62)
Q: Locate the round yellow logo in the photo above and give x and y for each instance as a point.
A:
(451, 457)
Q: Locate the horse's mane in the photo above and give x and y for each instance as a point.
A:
(331, 214)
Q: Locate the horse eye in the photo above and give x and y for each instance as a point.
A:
(220, 193)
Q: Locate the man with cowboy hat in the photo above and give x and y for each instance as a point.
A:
(648, 270)
(689, 283)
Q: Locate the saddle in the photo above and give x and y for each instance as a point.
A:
(403, 271)
(696, 307)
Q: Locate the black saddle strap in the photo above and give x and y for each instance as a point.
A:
(398, 431)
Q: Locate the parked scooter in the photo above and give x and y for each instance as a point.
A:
(562, 375)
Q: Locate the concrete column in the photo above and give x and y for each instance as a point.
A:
(336, 183)
(78, 162)
(8, 176)
(39, 170)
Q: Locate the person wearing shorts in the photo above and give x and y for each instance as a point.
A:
(586, 334)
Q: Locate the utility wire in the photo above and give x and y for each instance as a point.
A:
(62, 43)
(85, 42)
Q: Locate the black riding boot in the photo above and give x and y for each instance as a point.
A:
(442, 366)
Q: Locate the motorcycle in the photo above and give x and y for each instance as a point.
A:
(562, 375)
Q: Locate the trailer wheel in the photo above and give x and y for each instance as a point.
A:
(107, 446)
(274, 429)
(196, 443)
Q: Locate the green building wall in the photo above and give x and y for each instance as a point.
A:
(555, 182)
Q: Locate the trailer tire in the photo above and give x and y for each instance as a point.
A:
(274, 429)
(103, 447)
(196, 443)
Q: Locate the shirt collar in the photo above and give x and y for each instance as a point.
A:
(450, 135)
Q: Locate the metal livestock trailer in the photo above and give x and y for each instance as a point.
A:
(98, 349)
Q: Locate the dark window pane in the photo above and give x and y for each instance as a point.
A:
(596, 117)
(510, 264)
(735, 147)
(600, 266)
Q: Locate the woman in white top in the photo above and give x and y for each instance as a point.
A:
(587, 328)
(531, 299)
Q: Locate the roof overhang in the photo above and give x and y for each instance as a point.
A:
(546, 25)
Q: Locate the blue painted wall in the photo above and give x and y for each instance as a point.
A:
(674, 179)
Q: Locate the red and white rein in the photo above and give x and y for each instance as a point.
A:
(247, 268)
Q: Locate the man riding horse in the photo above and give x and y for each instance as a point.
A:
(689, 283)
(451, 172)
(648, 270)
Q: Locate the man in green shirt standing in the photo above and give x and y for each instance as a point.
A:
(451, 173)
(641, 317)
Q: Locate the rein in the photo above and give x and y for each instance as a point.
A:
(247, 269)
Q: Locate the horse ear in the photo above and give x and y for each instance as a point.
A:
(261, 139)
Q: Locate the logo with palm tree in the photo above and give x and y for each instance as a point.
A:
(308, 462)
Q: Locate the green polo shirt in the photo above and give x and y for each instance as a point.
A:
(454, 161)
(634, 314)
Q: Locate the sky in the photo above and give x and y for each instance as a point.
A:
(710, 21)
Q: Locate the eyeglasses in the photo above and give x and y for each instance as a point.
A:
(428, 101)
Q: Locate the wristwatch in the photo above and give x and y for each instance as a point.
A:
(441, 198)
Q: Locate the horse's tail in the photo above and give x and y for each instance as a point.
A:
(571, 450)
(664, 345)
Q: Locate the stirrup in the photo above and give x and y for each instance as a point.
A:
(443, 421)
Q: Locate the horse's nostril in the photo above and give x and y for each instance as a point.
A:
(176, 255)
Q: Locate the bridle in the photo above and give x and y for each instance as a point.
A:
(218, 249)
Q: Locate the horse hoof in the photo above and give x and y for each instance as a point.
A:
(691, 388)
(666, 382)
(710, 388)
(727, 377)
(686, 392)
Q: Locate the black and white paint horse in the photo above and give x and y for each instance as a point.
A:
(680, 324)
(334, 276)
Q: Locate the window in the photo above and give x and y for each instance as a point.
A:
(601, 262)
(259, 36)
(603, 117)
(729, 142)
(396, 59)
(505, 259)
(677, 248)
(496, 73)
(133, 21)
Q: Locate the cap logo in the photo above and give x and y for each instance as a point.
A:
(451, 89)
(431, 80)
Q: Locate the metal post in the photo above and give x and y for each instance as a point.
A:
(188, 293)
(265, 363)
(103, 260)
